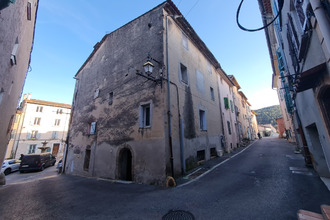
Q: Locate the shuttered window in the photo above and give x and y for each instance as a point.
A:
(226, 103)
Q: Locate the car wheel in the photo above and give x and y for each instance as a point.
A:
(7, 171)
(21, 171)
(42, 168)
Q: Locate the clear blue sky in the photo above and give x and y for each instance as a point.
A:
(66, 32)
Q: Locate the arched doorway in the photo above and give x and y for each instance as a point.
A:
(125, 164)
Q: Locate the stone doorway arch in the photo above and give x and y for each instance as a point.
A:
(125, 164)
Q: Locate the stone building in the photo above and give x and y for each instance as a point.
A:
(39, 126)
(145, 125)
(16, 40)
(299, 45)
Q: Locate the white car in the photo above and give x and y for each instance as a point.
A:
(9, 166)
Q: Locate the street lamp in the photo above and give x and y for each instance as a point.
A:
(148, 68)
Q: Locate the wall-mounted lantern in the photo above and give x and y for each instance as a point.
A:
(148, 67)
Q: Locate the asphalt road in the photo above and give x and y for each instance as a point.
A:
(265, 181)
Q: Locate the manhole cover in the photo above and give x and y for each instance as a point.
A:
(178, 214)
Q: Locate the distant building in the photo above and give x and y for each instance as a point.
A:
(281, 127)
(266, 130)
(299, 46)
(39, 126)
(17, 25)
(142, 125)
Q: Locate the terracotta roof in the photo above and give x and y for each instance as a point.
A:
(54, 104)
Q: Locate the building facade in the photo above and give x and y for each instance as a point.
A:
(144, 126)
(39, 126)
(299, 45)
(16, 40)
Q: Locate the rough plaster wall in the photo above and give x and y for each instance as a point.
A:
(192, 99)
(310, 115)
(112, 69)
(14, 25)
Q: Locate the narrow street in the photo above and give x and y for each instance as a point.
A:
(264, 181)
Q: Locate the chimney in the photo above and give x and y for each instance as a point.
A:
(29, 96)
(24, 96)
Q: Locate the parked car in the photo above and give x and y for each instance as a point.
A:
(59, 166)
(36, 162)
(9, 166)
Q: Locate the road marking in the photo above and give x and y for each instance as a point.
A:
(208, 171)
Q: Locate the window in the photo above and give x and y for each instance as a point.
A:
(212, 93)
(57, 122)
(226, 103)
(37, 121)
(231, 106)
(29, 11)
(13, 60)
(34, 134)
(185, 41)
(145, 116)
(183, 73)
(87, 159)
(59, 111)
(32, 149)
(200, 81)
(110, 98)
(202, 120)
(209, 68)
(229, 129)
(200, 155)
(54, 134)
(92, 128)
(39, 109)
(96, 93)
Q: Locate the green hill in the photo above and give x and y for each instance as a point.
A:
(268, 115)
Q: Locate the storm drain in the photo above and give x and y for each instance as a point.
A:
(178, 214)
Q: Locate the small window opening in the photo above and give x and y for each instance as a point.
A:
(184, 73)
(200, 155)
(87, 159)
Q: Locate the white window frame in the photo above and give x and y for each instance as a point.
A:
(185, 42)
(32, 148)
(96, 93)
(183, 74)
(202, 120)
(200, 81)
(212, 94)
(143, 115)
(34, 134)
(92, 128)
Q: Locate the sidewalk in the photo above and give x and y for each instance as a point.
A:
(208, 166)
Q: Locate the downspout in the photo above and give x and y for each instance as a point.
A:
(21, 127)
(169, 96)
(323, 23)
(221, 115)
(69, 127)
(183, 165)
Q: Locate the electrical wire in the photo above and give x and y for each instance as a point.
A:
(280, 4)
(192, 7)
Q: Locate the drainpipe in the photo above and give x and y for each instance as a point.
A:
(322, 20)
(169, 96)
(183, 165)
(21, 128)
(66, 149)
